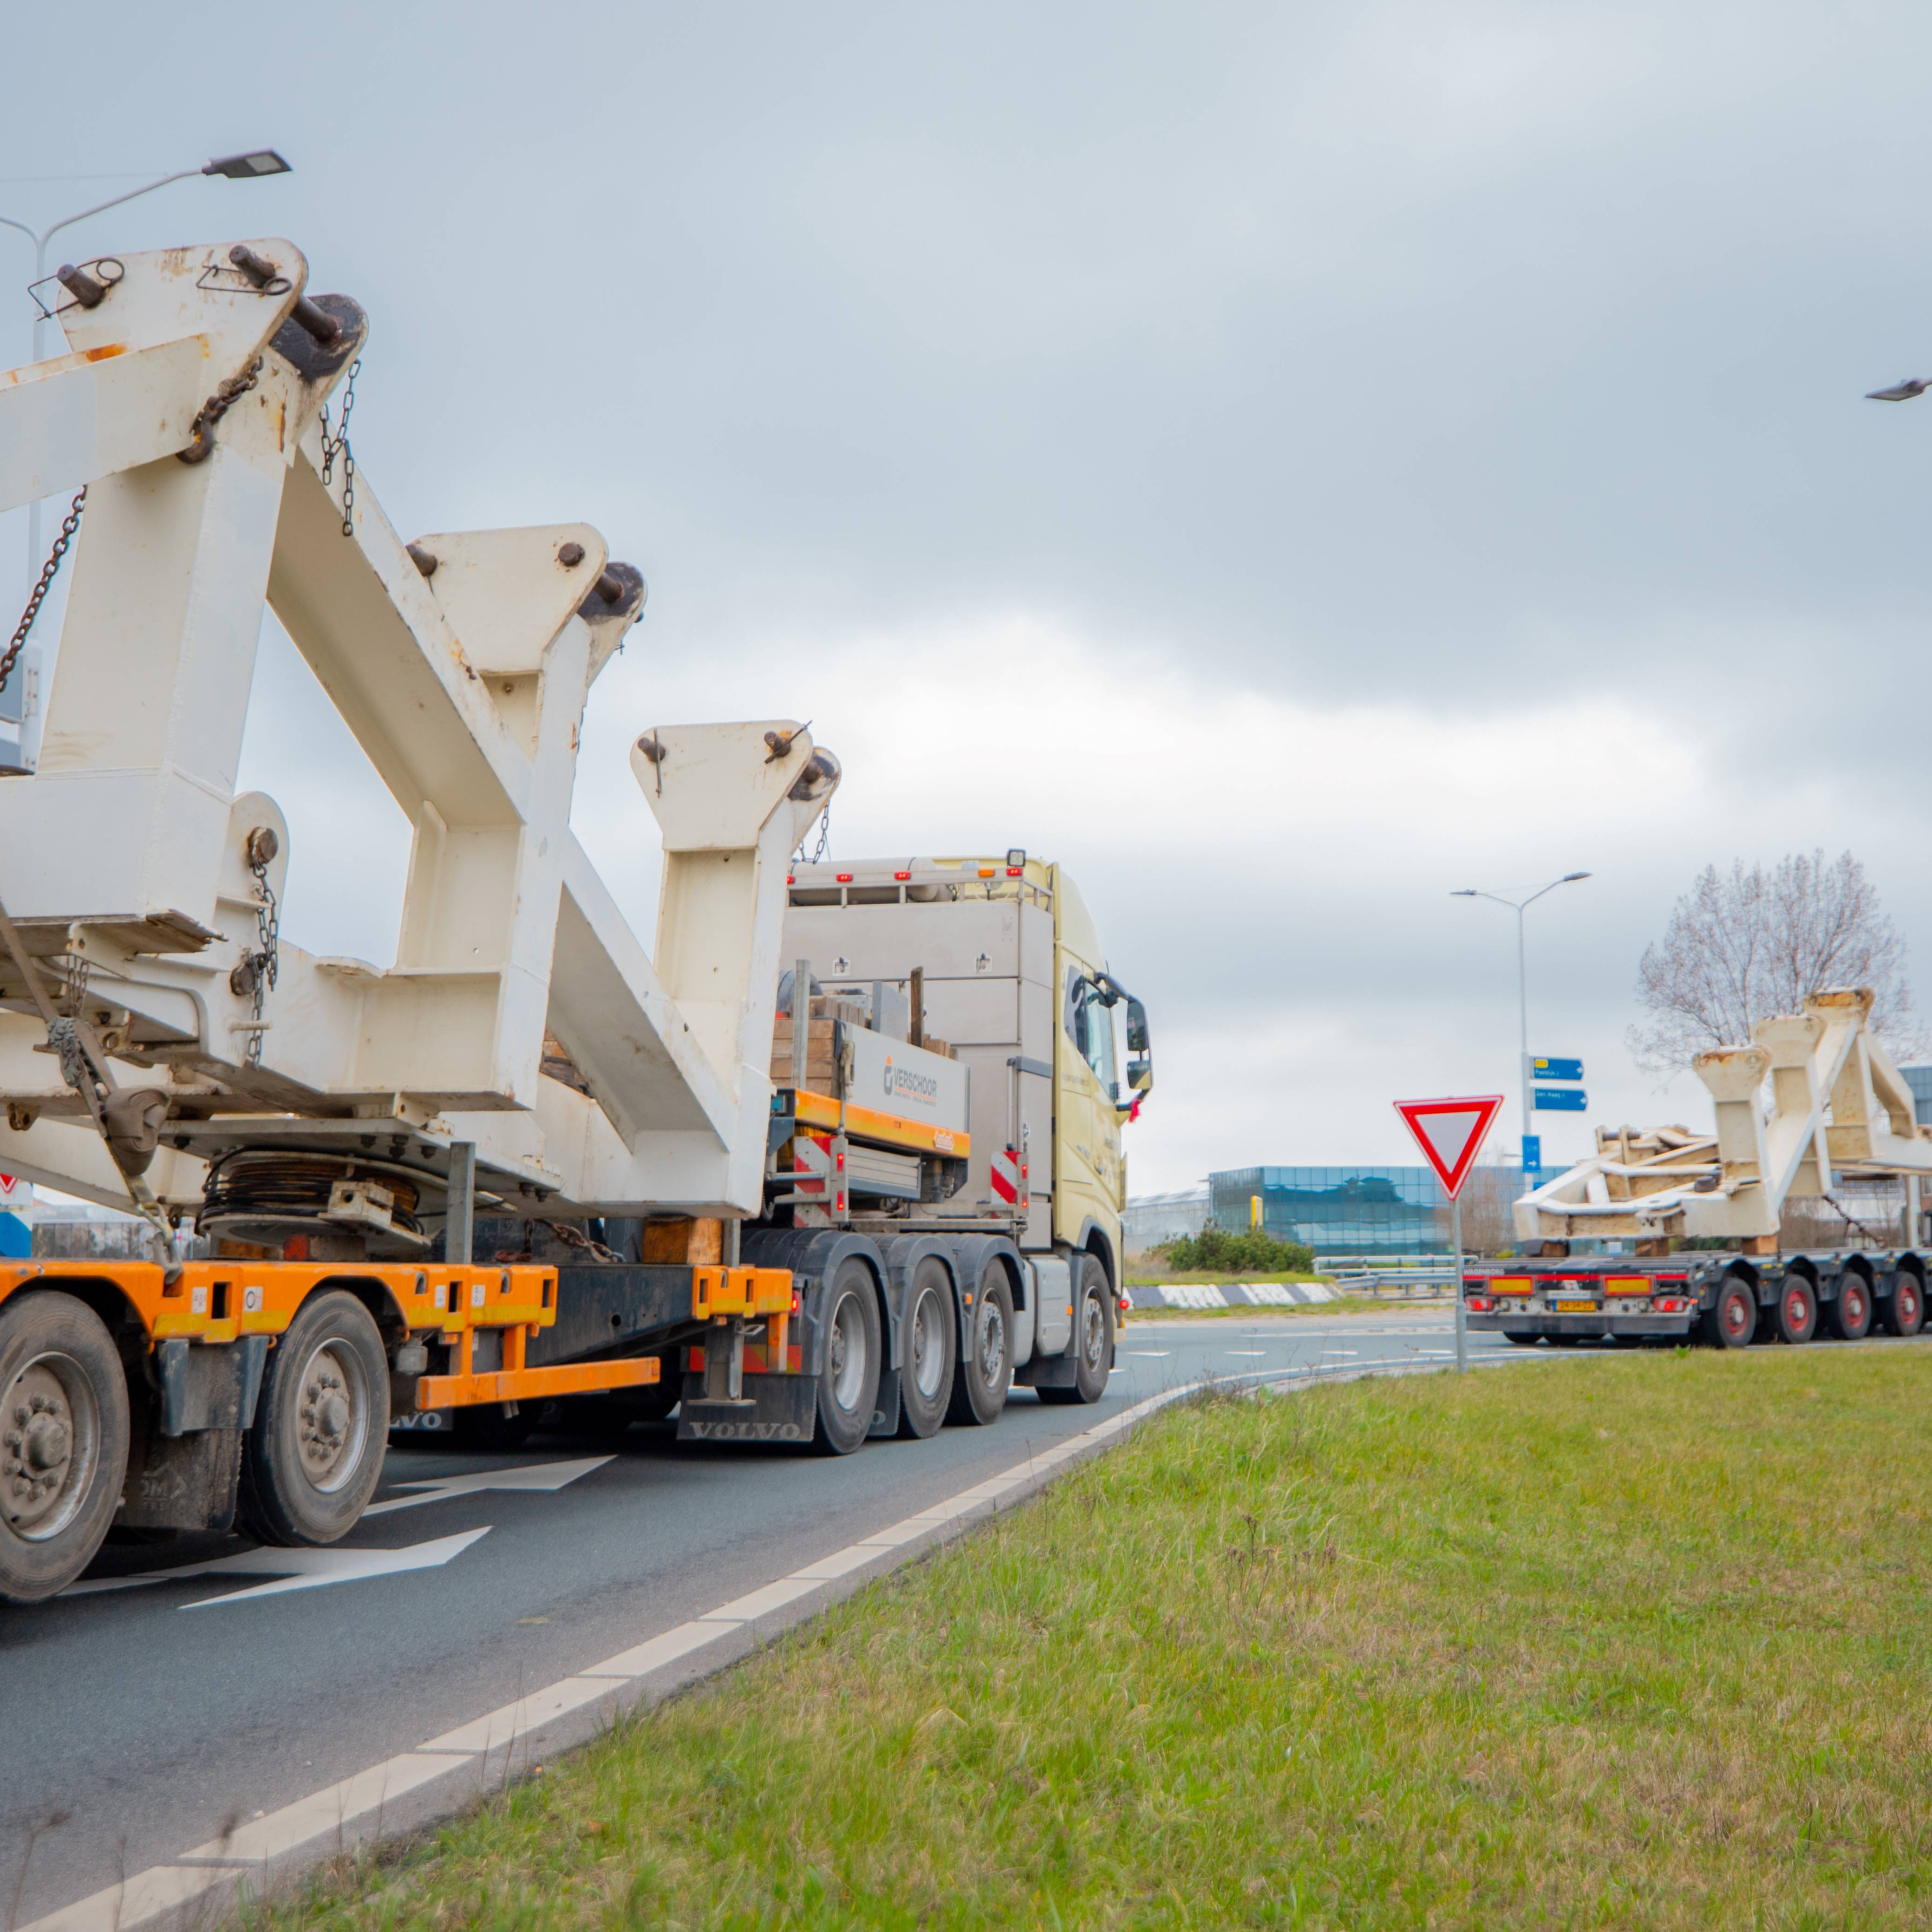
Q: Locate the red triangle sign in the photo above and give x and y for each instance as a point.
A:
(1450, 1133)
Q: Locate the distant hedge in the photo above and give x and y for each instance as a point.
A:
(1252, 1253)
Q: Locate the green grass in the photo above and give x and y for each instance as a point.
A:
(1639, 1641)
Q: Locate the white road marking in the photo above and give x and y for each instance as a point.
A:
(531, 1476)
(298, 1569)
(1245, 1351)
(1151, 1354)
(165, 1888)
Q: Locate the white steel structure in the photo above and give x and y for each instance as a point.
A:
(190, 406)
(1836, 1104)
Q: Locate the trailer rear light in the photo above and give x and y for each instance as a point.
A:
(1627, 1284)
(1511, 1284)
(1016, 872)
(844, 878)
(987, 872)
(1479, 1304)
(902, 876)
(1126, 1306)
(795, 1303)
(1672, 1304)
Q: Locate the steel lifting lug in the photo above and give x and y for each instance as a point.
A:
(313, 321)
(82, 286)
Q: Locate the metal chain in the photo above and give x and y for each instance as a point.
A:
(267, 959)
(575, 1237)
(48, 571)
(824, 840)
(338, 445)
(211, 412)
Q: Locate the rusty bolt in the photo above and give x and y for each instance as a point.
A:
(648, 747)
(570, 555)
(262, 845)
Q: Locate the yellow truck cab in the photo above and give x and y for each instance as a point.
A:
(995, 965)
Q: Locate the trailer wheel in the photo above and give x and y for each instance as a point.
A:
(64, 1430)
(311, 1462)
(1903, 1311)
(985, 1370)
(932, 1331)
(848, 1385)
(1797, 1309)
(1523, 1338)
(1093, 1337)
(1850, 1318)
(1731, 1320)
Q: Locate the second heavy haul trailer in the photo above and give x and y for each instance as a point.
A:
(334, 1128)
(1838, 1107)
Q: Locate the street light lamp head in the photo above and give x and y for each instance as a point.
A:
(1571, 878)
(1465, 893)
(247, 167)
(1900, 392)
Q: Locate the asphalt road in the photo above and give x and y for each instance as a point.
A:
(178, 1690)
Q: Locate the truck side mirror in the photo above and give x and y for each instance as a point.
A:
(1137, 1027)
(1140, 1076)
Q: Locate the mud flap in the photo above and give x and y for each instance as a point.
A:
(184, 1482)
(885, 1416)
(775, 1408)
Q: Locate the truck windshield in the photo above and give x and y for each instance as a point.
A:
(1093, 1031)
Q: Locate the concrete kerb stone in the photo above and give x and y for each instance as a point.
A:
(409, 1795)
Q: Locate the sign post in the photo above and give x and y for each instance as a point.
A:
(1450, 1133)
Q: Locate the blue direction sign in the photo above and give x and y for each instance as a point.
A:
(1546, 1069)
(1532, 1153)
(1559, 1099)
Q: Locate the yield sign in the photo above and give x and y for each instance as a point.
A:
(1450, 1133)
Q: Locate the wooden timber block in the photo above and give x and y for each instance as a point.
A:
(686, 1243)
(1654, 1248)
(1759, 1244)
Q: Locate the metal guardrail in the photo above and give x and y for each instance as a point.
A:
(1335, 1266)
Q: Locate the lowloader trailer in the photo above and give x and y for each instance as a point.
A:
(789, 1257)
(1814, 1097)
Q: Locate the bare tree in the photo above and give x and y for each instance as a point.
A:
(1742, 947)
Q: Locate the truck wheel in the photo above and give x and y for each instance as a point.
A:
(1093, 1337)
(1850, 1316)
(985, 1370)
(64, 1429)
(931, 1342)
(1903, 1311)
(1732, 1319)
(848, 1385)
(1797, 1309)
(311, 1461)
(1523, 1338)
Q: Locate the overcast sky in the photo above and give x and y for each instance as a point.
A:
(1287, 463)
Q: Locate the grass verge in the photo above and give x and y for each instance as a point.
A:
(1636, 1643)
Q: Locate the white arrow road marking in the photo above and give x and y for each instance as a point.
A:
(298, 1569)
(531, 1476)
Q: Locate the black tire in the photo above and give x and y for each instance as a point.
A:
(1731, 1320)
(1523, 1338)
(848, 1384)
(63, 1425)
(985, 1372)
(1849, 1315)
(929, 1341)
(311, 1462)
(1093, 1335)
(1902, 1312)
(1796, 1318)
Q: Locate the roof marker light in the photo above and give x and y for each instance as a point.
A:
(844, 878)
(1014, 871)
(986, 871)
(901, 875)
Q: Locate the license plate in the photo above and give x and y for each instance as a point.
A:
(1574, 1307)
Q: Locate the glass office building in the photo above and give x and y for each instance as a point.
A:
(1338, 1210)
(1919, 1079)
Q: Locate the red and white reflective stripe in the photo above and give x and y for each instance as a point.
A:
(811, 1162)
(1009, 1177)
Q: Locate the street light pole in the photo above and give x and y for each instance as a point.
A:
(251, 166)
(1519, 907)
